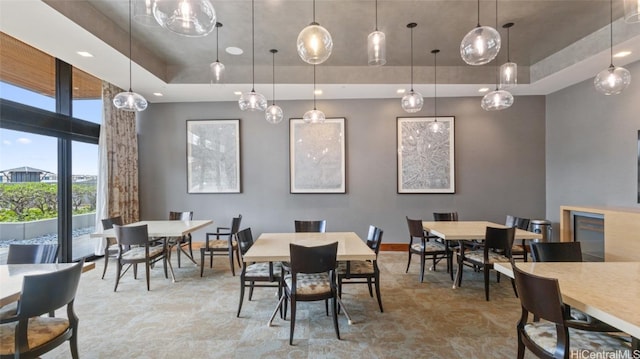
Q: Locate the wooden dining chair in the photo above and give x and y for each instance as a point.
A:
(184, 241)
(110, 246)
(222, 242)
(30, 334)
(135, 247)
(554, 337)
(32, 253)
(310, 226)
(519, 250)
(425, 246)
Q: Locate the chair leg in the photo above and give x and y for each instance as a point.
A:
(293, 320)
(73, 344)
(106, 261)
(118, 274)
(233, 267)
(251, 290)
(370, 289)
(241, 296)
(513, 284)
(497, 277)
(190, 248)
(377, 284)
(408, 263)
(458, 281)
(148, 275)
(451, 264)
(422, 260)
(178, 250)
(520, 346)
(201, 261)
(164, 263)
(326, 306)
(335, 316)
(486, 282)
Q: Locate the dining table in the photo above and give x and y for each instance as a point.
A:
(274, 247)
(164, 229)
(608, 291)
(12, 275)
(470, 230)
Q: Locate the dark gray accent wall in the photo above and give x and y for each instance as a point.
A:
(499, 162)
(592, 146)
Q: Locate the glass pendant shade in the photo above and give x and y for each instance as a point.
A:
(314, 44)
(631, 11)
(143, 13)
(130, 101)
(252, 101)
(191, 18)
(274, 114)
(313, 116)
(612, 80)
(497, 100)
(508, 75)
(377, 48)
(217, 69)
(480, 45)
(412, 102)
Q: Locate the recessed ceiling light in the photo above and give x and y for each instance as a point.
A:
(84, 54)
(317, 92)
(400, 91)
(484, 89)
(237, 93)
(622, 54)
(232, 50)
(159, 94)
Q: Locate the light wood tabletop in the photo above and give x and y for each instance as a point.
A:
(162, 228)
(11, 276)
(273, 247)
(609, 291)
(467, 230)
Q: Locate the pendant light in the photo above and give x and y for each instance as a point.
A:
(631, 11)
(314, 42)
(315, 115)
(377, 45)
(480, 45)
(252, 101)
(217, 67)
(497, 99)
(435, 126)
(143, 13)
(191, 18)
(612, 80)
(129, 100)
(508, 70)
(274, 113)
(412, 102)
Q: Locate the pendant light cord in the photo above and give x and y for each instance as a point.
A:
(478, 13)
(412, 59)
(314, 87)
(497, 67)
(273, 75)
(217, 42)
(435, 82)
(253, 49)
(508, 41)
(376, 15)
(130, 37)
(314, 11)
(611, 32)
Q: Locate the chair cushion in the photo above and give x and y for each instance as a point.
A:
(429, 247)
(517, 248)
(544, 335)
(262, 269)
(356, 267)
(222, 244)
(478, 256)
(139, 252)
(310, 284)
(41, 330)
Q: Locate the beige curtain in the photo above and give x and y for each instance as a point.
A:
(121, 148)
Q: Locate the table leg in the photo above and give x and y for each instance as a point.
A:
(173, 276)
(275, 311)
(346, 314)
(187, 255)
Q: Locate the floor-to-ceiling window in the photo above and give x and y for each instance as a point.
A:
(50, 116)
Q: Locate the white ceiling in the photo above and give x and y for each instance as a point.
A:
(555, 42)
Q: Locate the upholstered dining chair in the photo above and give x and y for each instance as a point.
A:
(110, 247)
(496, 248)
(30, 334)
(361, 272)
(184, 241)
(519, 250)
(253, 275)
(427, 247)
(312, 277)
(134, 247)
(224, 244)
(310, 226)
(554, 337)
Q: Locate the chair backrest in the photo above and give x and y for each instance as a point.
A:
(132, 235)
(518, 222)
(44, 293)
(499, 240)
(374, 238)
(245, 240)
(108, 223)
(556, 252)
(311, 226)
(180, 216)
(445, 216)
(235, 224)
(32, 253)
(316, 259)
(415, 228)
(539, 295)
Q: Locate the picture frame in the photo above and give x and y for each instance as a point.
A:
(317, 156)
(213, 156)
(426, 154)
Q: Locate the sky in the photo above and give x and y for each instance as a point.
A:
(18, 149)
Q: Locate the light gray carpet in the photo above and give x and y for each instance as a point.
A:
(196, 317)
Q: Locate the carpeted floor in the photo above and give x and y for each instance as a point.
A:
(196, 318)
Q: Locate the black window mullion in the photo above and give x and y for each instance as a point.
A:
(65, 209)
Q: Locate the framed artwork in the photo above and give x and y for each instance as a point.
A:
(426, 155)
(213, 156)
(317, 161)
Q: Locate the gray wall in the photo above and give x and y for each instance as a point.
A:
(592, 146)
(500, 166)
